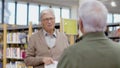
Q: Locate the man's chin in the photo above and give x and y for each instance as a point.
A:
(50, 29)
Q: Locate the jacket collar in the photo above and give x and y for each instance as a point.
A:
(94, 36)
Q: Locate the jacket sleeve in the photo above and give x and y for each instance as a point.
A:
(68, 60)
(64, 61)
(31, 59)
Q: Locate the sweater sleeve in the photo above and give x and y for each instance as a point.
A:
(31, 59)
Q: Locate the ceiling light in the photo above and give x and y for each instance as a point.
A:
(113, 4)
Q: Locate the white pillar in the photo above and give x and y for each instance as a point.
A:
(74, 12)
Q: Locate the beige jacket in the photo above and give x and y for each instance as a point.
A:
(38, 48)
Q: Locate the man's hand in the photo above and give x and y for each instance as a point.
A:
(47, 60)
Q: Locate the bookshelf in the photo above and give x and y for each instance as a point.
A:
(14, 44)
(110, 32)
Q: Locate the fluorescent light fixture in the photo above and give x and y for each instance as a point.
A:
(113, 4)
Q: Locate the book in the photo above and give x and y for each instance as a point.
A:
(53, 65)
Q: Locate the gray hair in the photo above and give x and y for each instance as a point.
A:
(45, 11)
(93, 15)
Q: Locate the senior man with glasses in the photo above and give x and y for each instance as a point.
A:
(47, 44)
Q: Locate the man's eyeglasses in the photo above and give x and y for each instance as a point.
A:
(48, 19)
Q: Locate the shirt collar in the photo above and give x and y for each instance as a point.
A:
(47, 34)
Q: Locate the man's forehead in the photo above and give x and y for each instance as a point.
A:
(47, 15)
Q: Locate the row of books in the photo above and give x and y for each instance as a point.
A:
(15, 53)
(16, 37)
(17, 64)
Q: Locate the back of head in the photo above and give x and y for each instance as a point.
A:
(93, 15)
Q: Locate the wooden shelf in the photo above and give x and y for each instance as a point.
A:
(16, 43)
(16, 59)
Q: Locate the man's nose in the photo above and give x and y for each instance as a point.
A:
(49, 21)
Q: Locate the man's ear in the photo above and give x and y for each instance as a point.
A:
(81, 26)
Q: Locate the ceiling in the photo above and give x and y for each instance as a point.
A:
(70, 3)
(110, 8)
